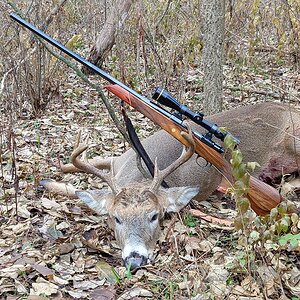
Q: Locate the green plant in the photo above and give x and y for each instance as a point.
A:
(240, 186)
(239, 189)
(128, 273)
(292, 239)
(280, 229)
(259, 234)
(167, 289)
(117, 276)
(170, 291)
(190, 221)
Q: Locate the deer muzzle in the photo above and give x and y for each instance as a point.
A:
(135, 260)
(136, 254)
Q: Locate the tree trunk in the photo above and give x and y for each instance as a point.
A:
(213, 54)
(118, 13)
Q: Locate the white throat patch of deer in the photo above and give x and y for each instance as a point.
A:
(134, 210)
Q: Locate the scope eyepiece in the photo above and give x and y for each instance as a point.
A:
(165, 98)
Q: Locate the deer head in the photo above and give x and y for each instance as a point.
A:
(135, 214)
(135, 210)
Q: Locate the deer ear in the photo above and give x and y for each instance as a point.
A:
(96, 200)
(179, 197)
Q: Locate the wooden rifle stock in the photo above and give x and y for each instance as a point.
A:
(262, 197)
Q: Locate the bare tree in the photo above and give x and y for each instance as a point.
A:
(213, 54)
(118, 13)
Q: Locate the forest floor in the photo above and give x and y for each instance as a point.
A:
(52, 247)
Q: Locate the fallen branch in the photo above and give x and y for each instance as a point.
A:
(200, 214)
(253, 91)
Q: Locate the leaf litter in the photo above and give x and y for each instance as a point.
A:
(52, 247)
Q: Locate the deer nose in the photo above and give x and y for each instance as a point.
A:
(135, 260)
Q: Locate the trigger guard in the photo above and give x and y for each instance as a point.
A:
(208, 164)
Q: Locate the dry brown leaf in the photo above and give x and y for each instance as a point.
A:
(43, 270)
(50, 204)
(135, 292)
(103, 293)
(289, 186)
(58, 280)
(106, 271)
(43, 288)
(78, 294)
(66, 248)
(20, 287)
(12, 271)
(292, 280)
(270, 279)
(16, 229)
(87, 284)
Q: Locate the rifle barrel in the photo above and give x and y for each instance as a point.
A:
(75, 56)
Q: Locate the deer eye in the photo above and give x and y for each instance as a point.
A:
(154, 217)
(118, 221)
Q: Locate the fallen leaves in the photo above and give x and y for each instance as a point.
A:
(107, 272)
(135, 292)
(103, 293)
(43, 288)
(57, 247)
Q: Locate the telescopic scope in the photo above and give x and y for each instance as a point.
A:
(165, 98)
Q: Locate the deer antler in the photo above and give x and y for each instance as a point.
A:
(85, 166)
(160, 175)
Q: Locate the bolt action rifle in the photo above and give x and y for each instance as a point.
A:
(262, 197)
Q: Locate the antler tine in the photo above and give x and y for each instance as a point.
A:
(160, 175)
(88, 168)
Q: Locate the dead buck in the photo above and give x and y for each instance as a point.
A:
(269, 135)
(134, 210)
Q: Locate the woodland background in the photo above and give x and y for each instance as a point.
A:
(53, 247)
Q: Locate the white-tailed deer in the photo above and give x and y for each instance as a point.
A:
(269, 135)
(135, 209)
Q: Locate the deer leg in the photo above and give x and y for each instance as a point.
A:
(59, 188)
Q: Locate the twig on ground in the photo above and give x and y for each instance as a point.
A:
(200, 214)
(253, 91)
